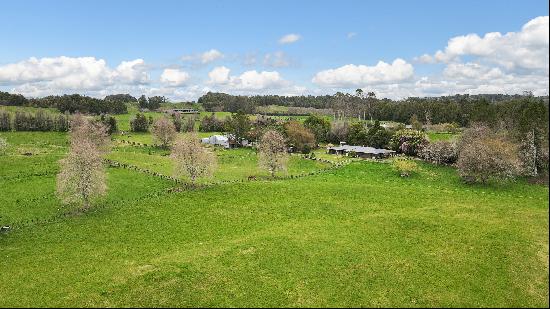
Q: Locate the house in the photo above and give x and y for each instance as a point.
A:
(181, 111)
(218, 140)
(360, 151)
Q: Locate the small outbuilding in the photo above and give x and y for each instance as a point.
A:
(218, 140)
(360, 151)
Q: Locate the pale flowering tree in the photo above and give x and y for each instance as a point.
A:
(192, 159)
(484, 155)
(164, 132)
(82, 177)
(273, 152)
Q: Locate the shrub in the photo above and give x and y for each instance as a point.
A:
(109, 122)
(408, 141)
(211, 124)
(140, 123)
(5, 121)
(299, 136)
(319, 126)
(440, 152)
(377, 136)
(61, 123)
(484, 155)
(189, 124)
(404, 166)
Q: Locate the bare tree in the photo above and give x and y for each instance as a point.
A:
(82, 177)
(485, 154)
(192, 159)
(164, 132)
(273, 154)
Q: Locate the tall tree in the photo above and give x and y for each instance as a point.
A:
(164, 132)
(82, 176)
(192, 159)
(272, 151)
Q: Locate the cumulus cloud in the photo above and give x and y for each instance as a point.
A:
(350, 35)
(526, 49)
(81, 73)
(352, 75)
(205, 57)
(247, 81)
(174, 77)
(219, 75)
(289, 38)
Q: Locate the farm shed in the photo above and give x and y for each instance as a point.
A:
(218, 140)
(360, 151)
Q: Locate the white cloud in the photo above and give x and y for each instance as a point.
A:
(174, 77)
(210, 56)
(132, 71)
(361, 75)
(248, 81)
(523, 50)
(278, 59)
(205, 57)
(73, 73)
(219, 75)
(351, 35)
(289, 38)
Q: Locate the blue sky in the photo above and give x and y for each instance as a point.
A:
(343, 40)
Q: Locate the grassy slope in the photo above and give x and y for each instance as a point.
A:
(358, 236)
(233, 164)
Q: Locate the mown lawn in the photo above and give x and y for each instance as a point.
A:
(355, 236)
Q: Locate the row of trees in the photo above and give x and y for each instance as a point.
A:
(39, 121)
(460, 109)
(44, 121)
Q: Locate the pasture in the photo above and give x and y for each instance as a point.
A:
(350, 235)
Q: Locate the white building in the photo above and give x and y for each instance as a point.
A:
(218, 140)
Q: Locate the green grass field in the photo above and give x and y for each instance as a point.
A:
(357, 235)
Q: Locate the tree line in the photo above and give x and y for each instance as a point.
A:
(459, 109)
(111, 104)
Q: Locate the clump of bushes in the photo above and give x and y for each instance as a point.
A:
(39, 121)
(140, 123)
(485, 154)
(404, 166)
(299, 137)
(211, 124)
(408, 142)
(5, 121)
(440, 152)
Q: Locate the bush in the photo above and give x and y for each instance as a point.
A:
(140, 123)
(484, 155)
(5, 121)
(404, 166)
(408, 141)
(377, 136)
(110, 123)
(211, 124)
(319, 126)
(61, 123)
(299, 136)
(440, 152)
